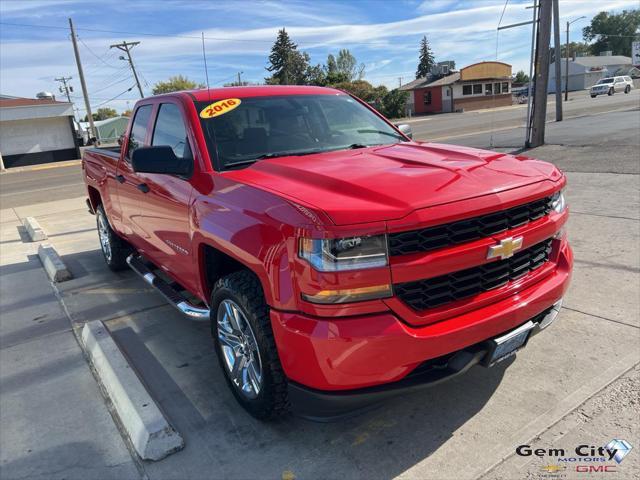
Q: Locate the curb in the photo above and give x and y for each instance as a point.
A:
(41, 166)
(145, 425)
(34, 230)
(53, 264)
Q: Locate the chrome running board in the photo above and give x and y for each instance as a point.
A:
(167, 291)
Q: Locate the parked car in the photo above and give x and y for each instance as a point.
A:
(339, 261)
(610, 85)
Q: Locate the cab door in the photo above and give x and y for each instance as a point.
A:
(164, 222)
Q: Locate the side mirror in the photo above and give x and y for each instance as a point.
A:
(121, 139)
(160, 159)
(406, 129)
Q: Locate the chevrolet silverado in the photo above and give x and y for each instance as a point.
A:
(338, 261)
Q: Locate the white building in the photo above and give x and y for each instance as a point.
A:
(36, 131)
(586, 71)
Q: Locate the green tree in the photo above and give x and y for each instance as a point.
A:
(426, 60)
(393, 103)
(612, 32)
(287, 64)
(579, 49)
(521, 77)
(332, 75)
(347, 66)
(316, 75)
(175, 84)
(102, 114)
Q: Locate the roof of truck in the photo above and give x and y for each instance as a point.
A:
(204, 94)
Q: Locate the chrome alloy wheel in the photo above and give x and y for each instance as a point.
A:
(239, 349)
(103, 233)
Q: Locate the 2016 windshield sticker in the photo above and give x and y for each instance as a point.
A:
(219, 108)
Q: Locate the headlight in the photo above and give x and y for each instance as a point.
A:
(352, 253)
(558, 202)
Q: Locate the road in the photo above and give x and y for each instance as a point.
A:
(49, 184)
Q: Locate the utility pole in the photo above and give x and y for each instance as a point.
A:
(240, 79)
(399, 82)
(87, 105)
(557, 59)
(542, 74)
(124, 46)
(64, 88)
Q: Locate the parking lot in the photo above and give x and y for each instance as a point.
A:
(471, 424)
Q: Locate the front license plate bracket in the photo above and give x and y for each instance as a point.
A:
(504, 346)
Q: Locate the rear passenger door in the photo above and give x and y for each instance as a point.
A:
(164, 216)
(127, 182)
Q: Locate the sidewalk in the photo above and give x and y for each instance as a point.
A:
(55, 423)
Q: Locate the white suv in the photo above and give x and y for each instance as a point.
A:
(610, 85)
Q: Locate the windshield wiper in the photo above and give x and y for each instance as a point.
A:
(265, 156)
(353, 146)
(382, 132)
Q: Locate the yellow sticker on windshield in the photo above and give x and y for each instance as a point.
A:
(219, 108)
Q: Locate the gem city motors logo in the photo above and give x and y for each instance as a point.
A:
(586, 458)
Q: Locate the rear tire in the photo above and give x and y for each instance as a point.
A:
(114, 249)
(611, 91)
(241, 329)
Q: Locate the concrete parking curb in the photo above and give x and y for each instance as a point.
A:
(145, 425)
(34, 230)
(53, 264)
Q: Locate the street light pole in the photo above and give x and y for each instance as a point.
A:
(566, 70)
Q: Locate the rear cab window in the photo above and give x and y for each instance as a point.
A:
(139, 129)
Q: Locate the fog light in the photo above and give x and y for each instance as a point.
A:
(349, 295)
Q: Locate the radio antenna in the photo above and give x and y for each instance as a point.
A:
(206, 70)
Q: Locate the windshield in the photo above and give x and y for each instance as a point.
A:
(605, 80)
(250, 129)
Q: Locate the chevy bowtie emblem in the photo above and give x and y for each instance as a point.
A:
(506, 248)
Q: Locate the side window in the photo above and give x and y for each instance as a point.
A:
(170, 130)
(139, 128)
(477, 89)
(466, 90)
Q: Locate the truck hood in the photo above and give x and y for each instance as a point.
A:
(389, 182)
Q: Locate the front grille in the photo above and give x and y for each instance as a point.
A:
(434, 292)
(431, 238)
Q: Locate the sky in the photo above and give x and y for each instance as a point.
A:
(383, 34)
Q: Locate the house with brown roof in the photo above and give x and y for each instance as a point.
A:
(477, 86)
(36, 130)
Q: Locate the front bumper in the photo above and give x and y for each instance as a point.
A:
(349, 361)
(322, 405)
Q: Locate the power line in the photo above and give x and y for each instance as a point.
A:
(113, 98)
(94, 54)
(128, 77)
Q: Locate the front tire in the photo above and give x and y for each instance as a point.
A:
(246, 349)
(114, 249)
(593, 96)
(627, 89)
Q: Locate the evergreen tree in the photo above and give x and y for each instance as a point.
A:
(426, 61)
(332, 66)
(288, 65)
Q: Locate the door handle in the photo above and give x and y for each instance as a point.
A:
(120, 178)
(143, 187)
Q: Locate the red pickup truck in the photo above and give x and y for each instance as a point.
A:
(339, 261)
